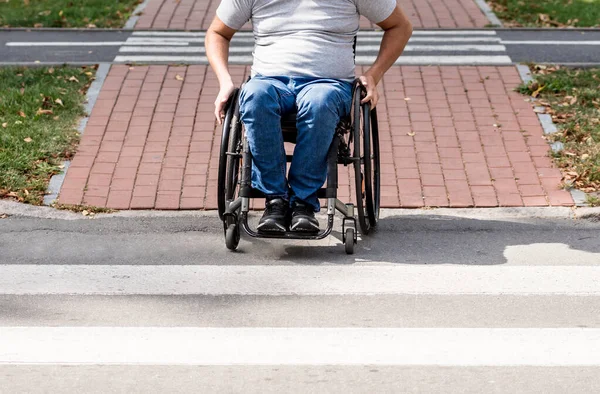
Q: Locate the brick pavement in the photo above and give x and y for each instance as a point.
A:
(197, 14)
(450, 137)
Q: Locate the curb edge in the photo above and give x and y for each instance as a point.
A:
(487, 11)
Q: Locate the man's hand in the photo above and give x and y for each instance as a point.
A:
(224, 93)
(369, 82)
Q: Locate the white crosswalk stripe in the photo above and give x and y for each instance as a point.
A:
(299, 346)
(426, 47)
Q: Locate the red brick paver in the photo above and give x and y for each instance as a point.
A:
(197, 14)
(449, 137)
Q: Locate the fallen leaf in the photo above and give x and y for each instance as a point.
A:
(18, 122)
(411, 133)
(573, 100)
(407, 98)
(22, 114)
(85, 213)
(584, 157)
(5, 124)
(3, 216)
(56, 117)
(44, 112)
(539, 110)
(51, 70)
(28, 139)
(89, 73)
(73, 79)
(178, 77)
(60, 13)
(59, 102)
(538, 91)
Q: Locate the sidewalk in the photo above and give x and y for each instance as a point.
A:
(197, 14)
(450, 137)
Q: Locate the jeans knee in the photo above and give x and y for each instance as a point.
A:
(258, 96)
(321, 103)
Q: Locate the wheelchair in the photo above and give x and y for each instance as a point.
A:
(355, 144)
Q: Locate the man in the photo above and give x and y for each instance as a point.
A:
(303, 63)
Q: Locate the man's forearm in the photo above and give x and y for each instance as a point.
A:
(392, 45)
(217, 52)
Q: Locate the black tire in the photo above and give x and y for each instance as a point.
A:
(232, 236)
(373, 203)
(362, 167)
(223, 162)
(233, 161)
(349, 241)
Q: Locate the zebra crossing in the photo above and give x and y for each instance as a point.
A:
(396, 317)
(426, 47)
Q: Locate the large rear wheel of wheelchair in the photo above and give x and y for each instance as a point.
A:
(229, 161)
(373, 204)
(365, 152)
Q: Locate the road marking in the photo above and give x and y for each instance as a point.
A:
(170, 34)
(361, 48)
(364, 60)
(242, 46)
(300, 346)
(65, 44)
(163, 39)
(290, 280)
(168, 49)
(178, 59)
(430, 48)
(360, 33)
(508, 42)
(249, 39)
(441, 60)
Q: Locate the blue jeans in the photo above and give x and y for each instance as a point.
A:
(319, 103)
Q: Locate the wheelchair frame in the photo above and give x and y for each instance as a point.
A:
(354, 134)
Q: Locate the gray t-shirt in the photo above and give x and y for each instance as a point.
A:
(311, 38)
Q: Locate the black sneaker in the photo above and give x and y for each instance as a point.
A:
(303, 219)
(274, 220)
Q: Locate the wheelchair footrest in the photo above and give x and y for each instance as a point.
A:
(321, 193)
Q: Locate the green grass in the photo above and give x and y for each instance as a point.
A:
(66, 13)
(39, 109)
(548, 13)
(572, 96)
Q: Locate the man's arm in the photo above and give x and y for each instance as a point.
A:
(216, 43)
(397, 31)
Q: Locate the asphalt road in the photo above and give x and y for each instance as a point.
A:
(427, 304)
(487, 46)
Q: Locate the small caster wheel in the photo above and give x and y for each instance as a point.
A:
(232, 236)
(349, 241)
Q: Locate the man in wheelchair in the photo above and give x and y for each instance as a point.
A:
(303, 63)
